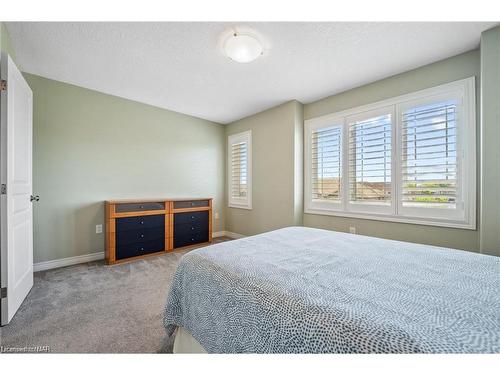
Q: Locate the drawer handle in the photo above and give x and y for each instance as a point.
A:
(141, 206)
(192, 239)
(192, 217)
(142, 222)
(192, 203)
(192, 228)
(142, 235)
(142, 249)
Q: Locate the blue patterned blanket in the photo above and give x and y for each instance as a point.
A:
(303, 290)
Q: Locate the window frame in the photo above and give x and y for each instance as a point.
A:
(466, 159)
(245, 203)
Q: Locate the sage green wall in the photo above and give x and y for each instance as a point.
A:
(298, 163)
(490, 141)
(89, 147)
(277, 180)
(452, 69)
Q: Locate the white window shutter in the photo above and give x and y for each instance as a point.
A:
(239, 154)
(239, 170)
(429, 155)
(408, 159)
(370, 161)
(326, 163)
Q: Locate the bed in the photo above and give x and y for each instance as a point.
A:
(304, 290)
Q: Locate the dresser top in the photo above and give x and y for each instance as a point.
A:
(139, 200)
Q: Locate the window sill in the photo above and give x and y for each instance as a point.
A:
(395, 219)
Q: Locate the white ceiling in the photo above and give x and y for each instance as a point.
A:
(179, 66)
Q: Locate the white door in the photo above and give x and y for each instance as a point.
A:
(16, 218)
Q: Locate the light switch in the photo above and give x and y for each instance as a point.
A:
(216, 216)
(98, 228)
(352, 230)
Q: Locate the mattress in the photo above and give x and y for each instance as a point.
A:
(304, 290)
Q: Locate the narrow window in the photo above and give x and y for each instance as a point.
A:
(429, 156)
(326, 160)
(239, 170)
(370, 161)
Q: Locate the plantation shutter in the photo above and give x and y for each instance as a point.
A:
(239, 168)
(326, 159)
(239, 161)
(408, 159)
(429, 155)
(370, 159)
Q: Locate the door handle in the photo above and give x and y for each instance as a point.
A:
(35, 198)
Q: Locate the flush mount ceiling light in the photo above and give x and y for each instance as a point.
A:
(242, 48)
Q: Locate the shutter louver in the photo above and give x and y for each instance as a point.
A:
(326, 158)
(239, 155)
(370, 160)
(429, 156)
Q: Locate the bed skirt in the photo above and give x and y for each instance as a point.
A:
(186, 344)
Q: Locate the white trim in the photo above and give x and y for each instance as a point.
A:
(393, 218)
(56, 263)
(70, 261)
(234, 235)
(465, 90)
(246, 203)
(225, 233)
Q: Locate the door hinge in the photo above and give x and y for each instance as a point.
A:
(3, 85)
(3, 293)
(3, 190)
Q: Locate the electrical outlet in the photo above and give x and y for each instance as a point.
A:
(352, 230)
(98, 228)
(216, 216)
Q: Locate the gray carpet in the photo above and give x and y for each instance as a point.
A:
(94, 308)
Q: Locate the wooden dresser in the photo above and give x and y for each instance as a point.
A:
(139, 228)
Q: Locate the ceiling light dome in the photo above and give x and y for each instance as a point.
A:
(242, 48)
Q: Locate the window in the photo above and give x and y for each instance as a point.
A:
(370, 155)
(326, 166)
(240, 170)
(408, 159)
(429, 159)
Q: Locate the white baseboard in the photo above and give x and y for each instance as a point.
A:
(227, 234)
(56, 263)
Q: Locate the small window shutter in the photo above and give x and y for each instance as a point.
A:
(370, 160)
(429, 156)
(239, 169)
(326, 159)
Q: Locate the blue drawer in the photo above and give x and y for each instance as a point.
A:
(191, 218)
(139, 248)
(139, 235)
(190, 239)
(188, 229)
(139, 222)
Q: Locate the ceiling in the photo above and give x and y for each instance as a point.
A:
(179, 66)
